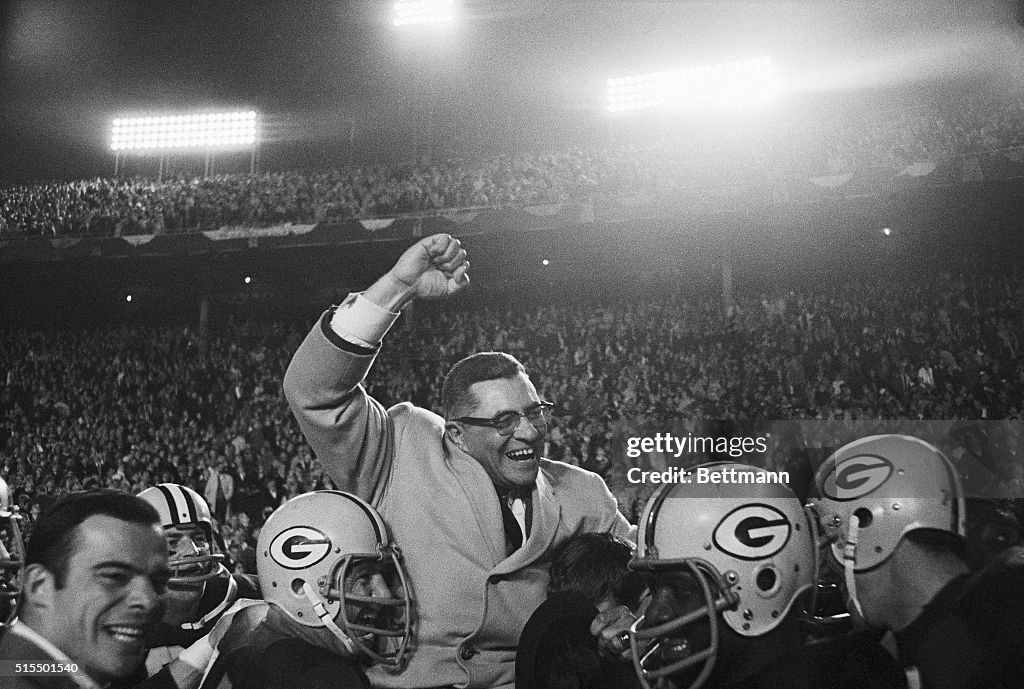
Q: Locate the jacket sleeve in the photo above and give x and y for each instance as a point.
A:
(614, 521)
(350, 432)
(586, 502)
(622, 528)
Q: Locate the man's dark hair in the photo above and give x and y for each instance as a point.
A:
(455, 395)
(595, 565)
(52, 542)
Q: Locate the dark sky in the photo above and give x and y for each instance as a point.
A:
(513, 74)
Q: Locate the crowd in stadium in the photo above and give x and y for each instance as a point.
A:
(370, 463)
(806, 146)
(129, 407)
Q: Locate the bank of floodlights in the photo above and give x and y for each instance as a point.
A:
(729, 85)
(424, 12)
(197, 131)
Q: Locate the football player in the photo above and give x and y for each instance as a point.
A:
(332, 582)
(201, 588)
(893, 508)
(731, 568)
(12, 555)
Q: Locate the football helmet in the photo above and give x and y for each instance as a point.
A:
(750, 550)
(309, 550)
(181, 507)
(874, 491)
(12, 555)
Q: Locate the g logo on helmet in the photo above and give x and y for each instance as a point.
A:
(856, 477)
(299, 547)
(752, 532)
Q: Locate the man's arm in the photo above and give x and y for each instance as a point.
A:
(349, 431)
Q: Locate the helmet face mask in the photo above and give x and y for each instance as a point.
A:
(736, 557)
(190, 555)
(326, 559)
(378, 621)
(685, 646)
(188, 525)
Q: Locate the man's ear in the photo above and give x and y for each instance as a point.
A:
(453, 430)
(38, 587)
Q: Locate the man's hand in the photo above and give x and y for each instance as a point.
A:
(432, 268)
(611, 627)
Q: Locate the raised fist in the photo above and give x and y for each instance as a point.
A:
(433, 267)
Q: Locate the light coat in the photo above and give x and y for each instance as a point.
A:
(471, 600)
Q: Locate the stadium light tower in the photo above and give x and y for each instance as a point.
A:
(725, 86)
(205, 132)
(425, 26)
(417, 12)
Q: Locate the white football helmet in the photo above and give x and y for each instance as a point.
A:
(180, 506)
(751, 549)
(12, 555)
(876, 490)
(306, 551)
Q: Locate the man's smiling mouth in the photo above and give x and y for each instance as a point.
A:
(523, 455)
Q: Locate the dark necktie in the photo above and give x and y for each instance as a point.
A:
(513, 532)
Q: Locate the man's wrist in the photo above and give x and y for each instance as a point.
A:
(361, 321)
(390, 292)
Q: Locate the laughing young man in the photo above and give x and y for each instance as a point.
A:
(95, 568)
(473, 505)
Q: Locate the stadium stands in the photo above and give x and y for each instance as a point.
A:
(966, 138)
(128, 407)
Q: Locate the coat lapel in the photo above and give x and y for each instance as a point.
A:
(546, 514)
(482, 498)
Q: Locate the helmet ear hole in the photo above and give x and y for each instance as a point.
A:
(864, 517)
(297, 585)
(767, 580)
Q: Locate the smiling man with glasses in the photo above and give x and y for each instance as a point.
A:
(473, 505)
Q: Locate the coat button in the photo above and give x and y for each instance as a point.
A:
(467, 652)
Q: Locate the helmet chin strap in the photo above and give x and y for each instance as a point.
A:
(850, 562)
(328, 621)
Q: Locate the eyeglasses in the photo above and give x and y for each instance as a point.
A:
(507, 422)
